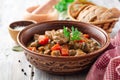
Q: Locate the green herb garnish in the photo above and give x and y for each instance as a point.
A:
(62, 5)
(75, 35)
(66, 32)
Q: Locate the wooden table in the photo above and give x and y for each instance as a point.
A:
(10, 66)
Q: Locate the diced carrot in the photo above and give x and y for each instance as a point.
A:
(81, 41)
(64, 51)
(86, 36)
(43, 40)
(56, 47)
(32, 48)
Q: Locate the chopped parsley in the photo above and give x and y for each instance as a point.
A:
(73, 35)
(66, 32)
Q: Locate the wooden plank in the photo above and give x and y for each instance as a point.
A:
(10, 68)
(13, 10)
(42, 75)
(19, 70)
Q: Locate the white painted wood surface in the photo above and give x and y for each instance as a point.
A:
(10, 68)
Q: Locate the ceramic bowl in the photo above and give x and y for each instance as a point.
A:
(14, 32)
(62, 64)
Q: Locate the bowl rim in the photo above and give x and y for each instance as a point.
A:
(65, 57)
(19, 21)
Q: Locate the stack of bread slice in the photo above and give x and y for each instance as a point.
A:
(94, 14)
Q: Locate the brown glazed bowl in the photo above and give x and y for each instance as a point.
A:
(13, 32)
(62, 64)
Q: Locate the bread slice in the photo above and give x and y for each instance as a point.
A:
(83, 14)
(109, 14)
(76, 9)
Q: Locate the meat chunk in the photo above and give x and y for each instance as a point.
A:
(79, 52)
(47, 52)
(41, 48)
(55, 53)
(72, 52)
(34, 44)
(90, 46)
(50, 34)
(58, 36)
(36, 36)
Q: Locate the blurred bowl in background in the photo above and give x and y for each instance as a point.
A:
(50, 15)
(15, 27)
